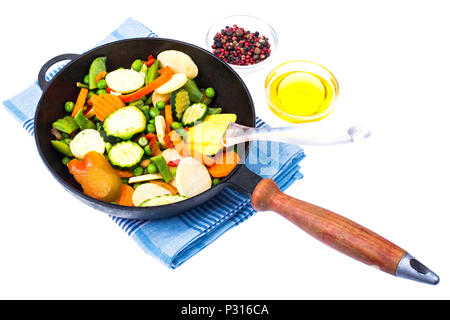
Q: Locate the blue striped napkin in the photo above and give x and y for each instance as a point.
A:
(175, 240)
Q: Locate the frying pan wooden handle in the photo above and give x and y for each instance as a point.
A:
(330, 228)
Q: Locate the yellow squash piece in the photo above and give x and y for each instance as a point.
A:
(206, 137)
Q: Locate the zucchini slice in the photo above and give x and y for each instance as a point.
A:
(162, 200)
(195, 113)
(125, 123)
(125, 155)
(179, 101)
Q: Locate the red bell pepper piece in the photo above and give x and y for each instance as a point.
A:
(174, 163)
(150, 60)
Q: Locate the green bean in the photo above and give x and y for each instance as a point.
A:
(82, 85)
(151, 72)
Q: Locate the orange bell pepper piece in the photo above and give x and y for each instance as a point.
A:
(96, 176)
(166, 74)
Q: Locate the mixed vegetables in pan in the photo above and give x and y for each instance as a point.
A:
(144, 136)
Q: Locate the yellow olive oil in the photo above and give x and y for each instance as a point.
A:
(299, 95)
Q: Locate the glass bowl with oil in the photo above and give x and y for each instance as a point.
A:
(301, 91)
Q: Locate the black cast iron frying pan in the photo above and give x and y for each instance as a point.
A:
(332, 229)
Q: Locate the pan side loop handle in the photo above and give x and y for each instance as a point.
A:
(43, 83)
(340, 233)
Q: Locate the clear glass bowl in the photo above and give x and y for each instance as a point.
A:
(303, 66)
(251, 24)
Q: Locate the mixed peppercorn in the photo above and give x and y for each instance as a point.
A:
(238, 46)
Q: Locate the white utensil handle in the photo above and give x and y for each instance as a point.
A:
(293, 134)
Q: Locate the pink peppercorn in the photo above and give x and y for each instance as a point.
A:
(238, 46)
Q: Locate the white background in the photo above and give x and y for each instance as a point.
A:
(392, 61)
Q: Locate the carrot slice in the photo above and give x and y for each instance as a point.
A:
(125, 174)
(167, 142)
(166, 75)
(90, 101)
(126, 196)
(168, 116)
(105, 104)
(81, 100)
(175, 137)
(166, 186)
(225, 163)
(100, 76)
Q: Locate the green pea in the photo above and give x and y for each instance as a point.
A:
(151, 128)
(138, 171)
(154, 112)
(100, 91)
(137, 65)
(86, 79)
(210, 93)
(102, 84)
(66, 160)
(147, 150)
(176, 125)
(215, 181)
(124, 180)
(136, 185)
(152, 168)
(143, 141)
(90, 94)
(151, 121)
(160, 105)
(69, 106)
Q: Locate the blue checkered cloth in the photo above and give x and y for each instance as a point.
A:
(174, 240)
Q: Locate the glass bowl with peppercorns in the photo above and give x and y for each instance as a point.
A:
(244, 42)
